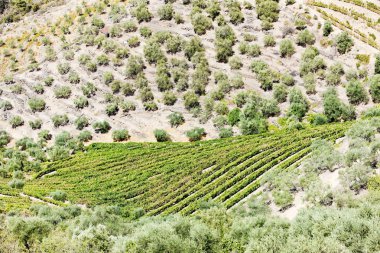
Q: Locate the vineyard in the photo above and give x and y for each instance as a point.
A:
(164, 178)
(359, 18)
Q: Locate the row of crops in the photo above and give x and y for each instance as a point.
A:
(328, 12)
(164, 178)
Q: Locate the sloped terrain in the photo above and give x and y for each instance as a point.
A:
(68, 66)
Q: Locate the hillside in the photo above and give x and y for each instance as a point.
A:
(65, 73)
(189, 126)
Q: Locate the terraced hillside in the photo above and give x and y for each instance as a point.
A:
(175, 177)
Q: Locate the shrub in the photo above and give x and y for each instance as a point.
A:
(146, 94)
(305, 37)
(318, 119)
(374, 88)
(62, 92)
(356, 93)
(142, 13)
(195, 134)
(267, 10)
(81, 102)
(193, 46)
(135, 66)
(226, 132)
(39, 89)
(45, 135)
(166, 12)
(234, 116)
(6, 105)
(108, 78)
(16, 183)
(16, 121)
(129, 26)
(327, 29)
(102, 60)
(253, 126)
(150, 106)
(81, 122)
(146, 32)
(235, 62)
(49, 81)
(309, 83)
(63, 68)
(60, 120)
(174, 44)
(120, 135)
(37, 104)
(153, 53)
(5, 138)
(287, 48)
(169, 98)
(280, 93)
(112, 109)
(127, 106)
(344, 43)
(36, 124)
(298, 104)
(85, 136)
(101, 127)
(127, 89)
(201, 23)
(377, 64)
(334, 109)
(190, 100)
(269, 41)
(89, 89)
(161, 135)
(176, 119)
(133, 41)
(59, 196)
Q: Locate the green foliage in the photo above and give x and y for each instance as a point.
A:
(334, 109)
(195, 134)
(327, 28)
(356, 92)
(161, 135)
(286, 48)
(16, 121)
(135, 66)
(176, 119)
(60, 120)
(166, 12)
(5, 138)
(305, 37)
(37, 104)
(299, 105)
(101, 127)
(374, 88)
(59, 195)
(344, 43)
(201, 23)
(62, 92)
(120, 135)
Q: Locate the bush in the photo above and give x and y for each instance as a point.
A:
(39, 89)
(161, 135)
(37, 104)
(201, 23)
(166, 12)
(176, 119)
(327, 29)
(16, 121)
(344, 43)
(120, 135)
(226, 132)
(174, 44)
(169, 98)
(85, 136)
(190, 100)
(36, 124)
(60, 120)
(112, 109)
(142, 13)
(334, 109)
(16, 183)
(64, 68)
(6, 105)
(135, 65)
(153, 53)
(234, 116)
(89, 89)
(81, 102)
(81, 122)
(318, 119)
(59, 196)
(280, 93)
(62, 92)
(356, 93)
(195, 134)
(268, 10)
(374, 88)
(101, 127)
(5, 138)
(146, 32)
(133, 42)
(287, 48)
(150, 106)
(108, 78)
(305, 37)
(253, 126)
(235, 62)
(298, 104)
(269, 41)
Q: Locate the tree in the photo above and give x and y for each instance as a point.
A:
(356, 92)
(344, 42)
(327, 29)
(374, 88)
(287, 48)
(377, 64)
(298, 104)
